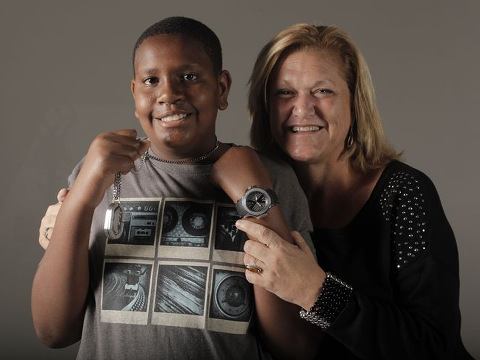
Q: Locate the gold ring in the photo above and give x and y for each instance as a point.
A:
(254, 268)
(45, 233)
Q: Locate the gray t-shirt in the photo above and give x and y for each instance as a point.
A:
(173, 285)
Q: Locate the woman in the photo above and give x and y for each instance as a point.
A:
(386, 284)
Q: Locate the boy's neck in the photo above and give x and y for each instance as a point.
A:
(208, 157)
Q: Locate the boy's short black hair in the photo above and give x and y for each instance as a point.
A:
(179, 25)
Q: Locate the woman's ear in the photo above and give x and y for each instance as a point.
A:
(225, 82)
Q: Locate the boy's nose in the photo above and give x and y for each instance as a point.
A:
(169, 92)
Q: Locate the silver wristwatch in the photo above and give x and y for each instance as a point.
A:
(256, 202)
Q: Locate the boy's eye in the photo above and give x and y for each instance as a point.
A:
(150, 80)
(189, 77)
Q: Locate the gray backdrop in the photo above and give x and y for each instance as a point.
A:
(65, 73)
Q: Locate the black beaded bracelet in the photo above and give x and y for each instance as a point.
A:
(333, 297)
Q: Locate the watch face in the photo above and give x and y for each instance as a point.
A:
(257, 201)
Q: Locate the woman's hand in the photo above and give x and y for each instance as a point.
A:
(290, 271)
(48, 221)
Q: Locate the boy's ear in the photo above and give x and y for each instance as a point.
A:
(132, 87)
(132, 90)
(225, 82)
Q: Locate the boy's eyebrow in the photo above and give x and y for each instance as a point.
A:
(182, 67)
(190, 66)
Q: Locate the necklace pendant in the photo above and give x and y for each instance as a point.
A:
(113, 225)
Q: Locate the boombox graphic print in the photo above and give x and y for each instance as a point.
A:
(179, 262)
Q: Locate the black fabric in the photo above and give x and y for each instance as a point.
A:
(400, 256)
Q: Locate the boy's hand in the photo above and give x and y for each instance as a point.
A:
(109, 153)
(120, 139)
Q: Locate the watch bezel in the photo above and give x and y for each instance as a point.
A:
(243, 209)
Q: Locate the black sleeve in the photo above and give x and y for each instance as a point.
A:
(422, 321)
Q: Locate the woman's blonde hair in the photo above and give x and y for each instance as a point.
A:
(370, 148)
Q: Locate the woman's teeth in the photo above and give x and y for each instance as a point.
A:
(305, 128)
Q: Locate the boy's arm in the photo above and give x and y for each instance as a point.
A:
(281, 328)
(60, 286)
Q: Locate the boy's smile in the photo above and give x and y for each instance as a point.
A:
(177, 95)
(175, 117)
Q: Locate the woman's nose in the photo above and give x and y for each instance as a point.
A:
(303, 106)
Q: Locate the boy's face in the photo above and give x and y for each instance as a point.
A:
(177, 95)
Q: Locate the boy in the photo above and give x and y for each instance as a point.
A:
(168, 281)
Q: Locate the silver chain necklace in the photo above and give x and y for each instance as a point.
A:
(184, 161)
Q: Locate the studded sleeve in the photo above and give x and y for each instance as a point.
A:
(415, 314)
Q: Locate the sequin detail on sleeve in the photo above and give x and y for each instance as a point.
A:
(402, 204)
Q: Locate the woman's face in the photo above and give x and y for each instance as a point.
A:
(309, 106)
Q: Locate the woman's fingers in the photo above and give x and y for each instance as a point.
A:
(259, 233)
(288, 270)
(47, 224)
(252, 261)
(62, 194)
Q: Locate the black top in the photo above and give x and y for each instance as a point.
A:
(400, 256)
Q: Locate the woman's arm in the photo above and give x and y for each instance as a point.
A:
(421, 320)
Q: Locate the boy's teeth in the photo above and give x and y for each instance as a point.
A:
(305, 128)
(174, 117)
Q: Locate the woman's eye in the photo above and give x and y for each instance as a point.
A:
(285, 92)
(189, 77)
(323, 91)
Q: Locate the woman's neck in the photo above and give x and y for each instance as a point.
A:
(336, 192)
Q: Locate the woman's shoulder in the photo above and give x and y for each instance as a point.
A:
(400, 177)
(402, 185)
